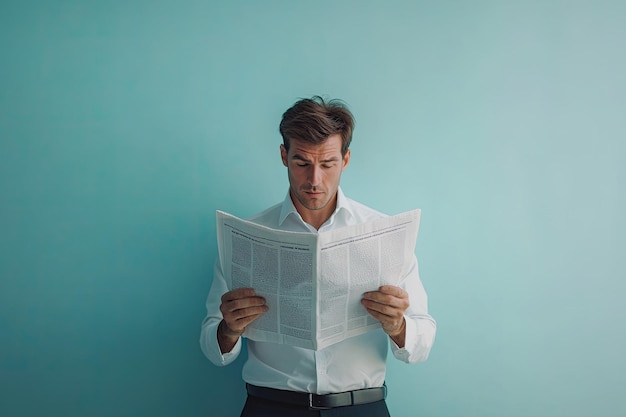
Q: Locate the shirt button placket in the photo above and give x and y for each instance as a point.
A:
(321, 366)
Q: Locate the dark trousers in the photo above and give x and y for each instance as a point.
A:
(258, 407)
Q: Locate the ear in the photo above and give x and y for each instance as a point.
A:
(346, 160)
(283, 154)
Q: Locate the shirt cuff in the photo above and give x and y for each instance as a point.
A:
(410, 340)
(211, 347)
(229, 357)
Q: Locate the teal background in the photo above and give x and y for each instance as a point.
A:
(124, 125)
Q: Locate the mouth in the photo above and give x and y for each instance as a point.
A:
(314, 193)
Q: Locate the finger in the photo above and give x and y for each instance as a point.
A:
(383, 309)
(393, 290)
(240, 303)
(247, 320)
(386, 299)
(243, 313)
(238, 293)
(389, 324)
(238, 323)
(378, 316)
(386, 321)
(374, 296)
(236, 309)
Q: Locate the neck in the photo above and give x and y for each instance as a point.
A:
(315, 218)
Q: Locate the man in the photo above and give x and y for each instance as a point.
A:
(347, 378)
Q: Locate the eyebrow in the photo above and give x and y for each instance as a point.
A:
(303, 159)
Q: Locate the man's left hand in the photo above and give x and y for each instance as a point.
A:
(388, 305)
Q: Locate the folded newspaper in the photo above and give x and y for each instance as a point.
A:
(313, 283)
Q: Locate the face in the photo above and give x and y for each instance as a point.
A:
(314, 173)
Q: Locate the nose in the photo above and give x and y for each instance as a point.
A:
(315, 176)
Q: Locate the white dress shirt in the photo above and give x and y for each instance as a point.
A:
(355, 363)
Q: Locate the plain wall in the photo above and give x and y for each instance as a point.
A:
(124, 125)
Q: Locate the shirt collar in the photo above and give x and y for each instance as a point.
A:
(343, 206)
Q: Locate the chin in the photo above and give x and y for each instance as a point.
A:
(317, 206)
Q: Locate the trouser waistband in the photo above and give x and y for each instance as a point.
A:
(317, 401)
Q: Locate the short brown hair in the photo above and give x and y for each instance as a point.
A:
(313, 120)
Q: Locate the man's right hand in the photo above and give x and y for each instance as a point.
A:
(239, 308)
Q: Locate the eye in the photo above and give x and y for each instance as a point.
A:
(328, 165)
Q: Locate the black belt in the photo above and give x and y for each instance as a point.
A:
(316, 401)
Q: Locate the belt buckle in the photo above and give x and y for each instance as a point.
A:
(313, 406)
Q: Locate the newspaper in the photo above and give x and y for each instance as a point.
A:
(313, 283)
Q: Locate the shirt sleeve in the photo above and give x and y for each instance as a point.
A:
(420, 326)
(208, 334)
